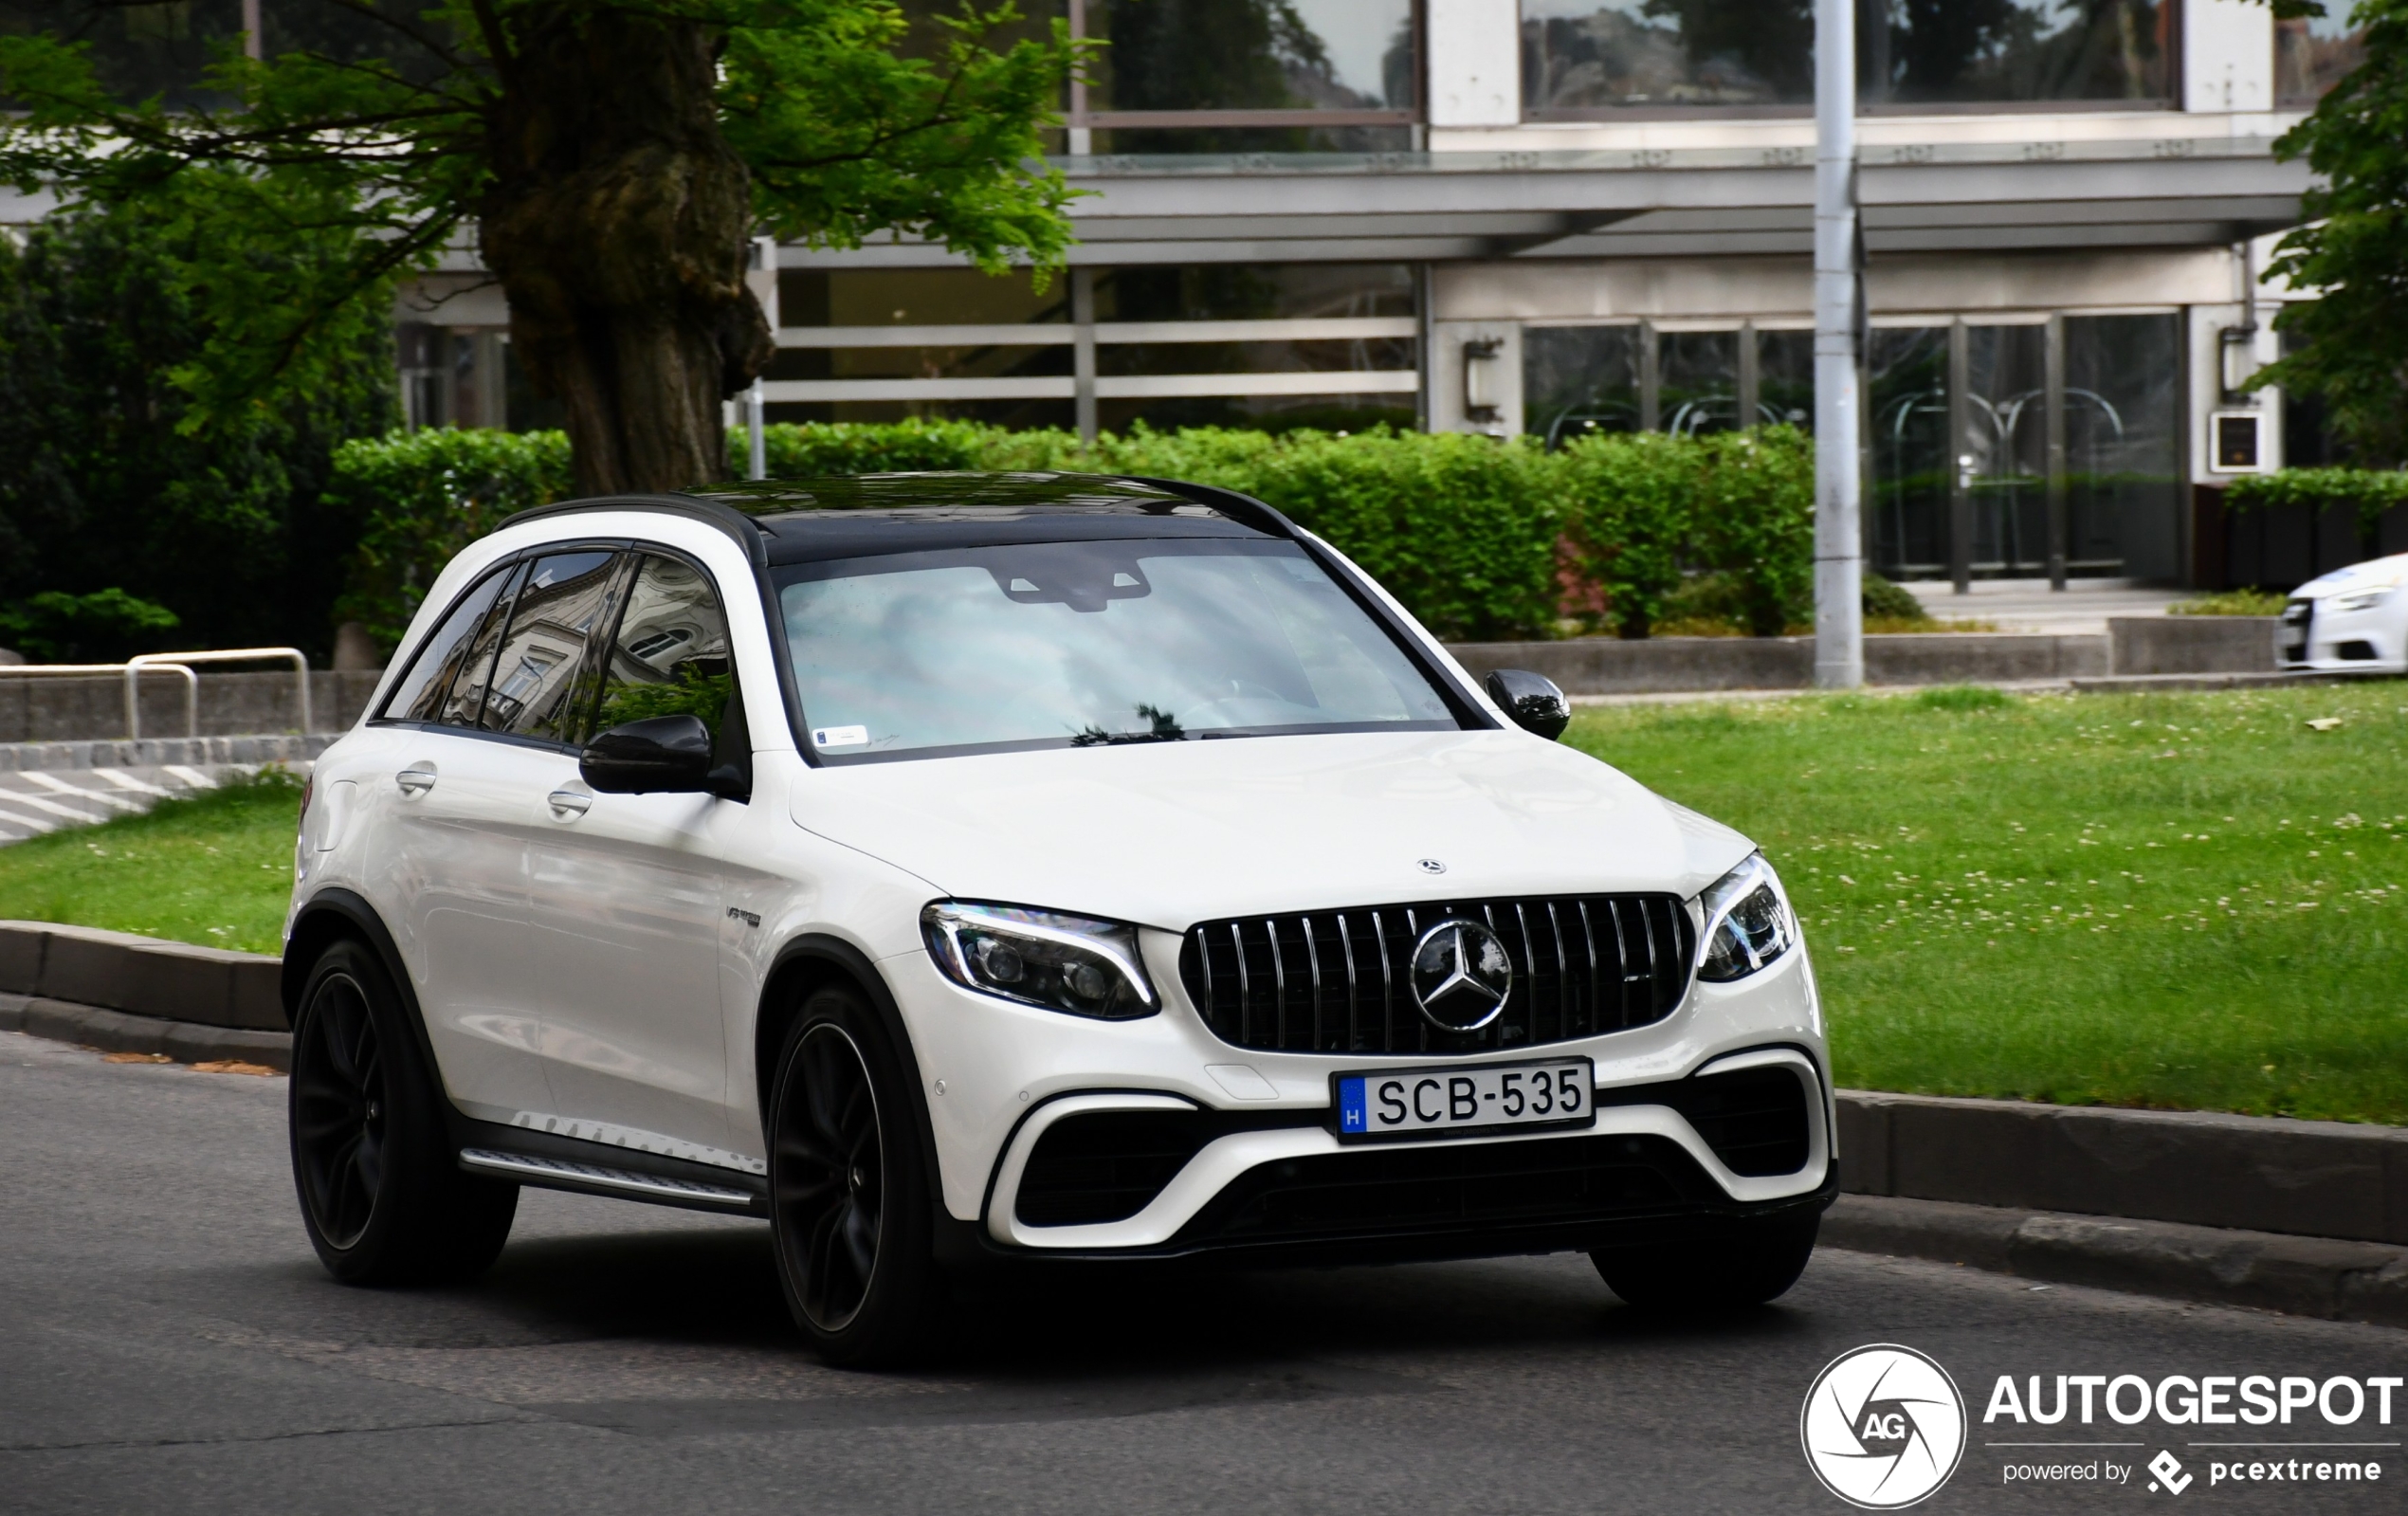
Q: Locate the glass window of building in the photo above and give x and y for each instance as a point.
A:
(1312, 75)
(1697, 382)
(1579, 380)
(2122, 425)
(1587, 55)
(1592, 58)
(809, 301)
(2312, 53)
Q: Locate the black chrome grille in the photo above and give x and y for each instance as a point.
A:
(1340, 980)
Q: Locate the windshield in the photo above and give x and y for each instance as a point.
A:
(1084, 643)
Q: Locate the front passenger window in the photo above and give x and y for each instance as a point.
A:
(670, 657)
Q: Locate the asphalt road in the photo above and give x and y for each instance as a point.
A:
(168, 1344)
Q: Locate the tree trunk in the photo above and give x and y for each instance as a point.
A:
(617, 223)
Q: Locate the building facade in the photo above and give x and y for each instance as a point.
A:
(1549, 217)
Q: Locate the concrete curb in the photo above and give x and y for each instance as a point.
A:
(120, 971)
(186, 1042)
(2302, 1276)
(2266, 1174)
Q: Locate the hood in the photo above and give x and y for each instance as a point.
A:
(1168, 834)
(2375, 574)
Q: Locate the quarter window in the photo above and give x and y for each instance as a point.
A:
(419, 696)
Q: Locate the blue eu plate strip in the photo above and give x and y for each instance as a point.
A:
(1351, 1116)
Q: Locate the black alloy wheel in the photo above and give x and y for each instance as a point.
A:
(339, 1106)
(830, 1189)
(382, 1192)
(848, 1189)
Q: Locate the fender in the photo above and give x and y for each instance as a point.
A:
(818, 953)
(313, 929)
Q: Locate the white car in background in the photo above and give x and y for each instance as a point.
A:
(2351, 621)
(955, 870)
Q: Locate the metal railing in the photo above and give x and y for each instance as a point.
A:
(135, 665)
(179, 663)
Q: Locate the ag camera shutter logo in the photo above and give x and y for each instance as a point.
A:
(1883, 1426)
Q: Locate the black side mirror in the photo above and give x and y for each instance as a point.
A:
(1531, 699)
(662, 754)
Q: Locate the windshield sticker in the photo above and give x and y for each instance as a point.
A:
(839, 736)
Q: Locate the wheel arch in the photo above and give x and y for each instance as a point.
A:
(330, 916)
(804, 964)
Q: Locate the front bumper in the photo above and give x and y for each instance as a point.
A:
(2314, 640)
(1268, 1175)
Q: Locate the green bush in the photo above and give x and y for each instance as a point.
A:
(1480, 539)
(1884, 601)
(421, 496)
(2369, 491)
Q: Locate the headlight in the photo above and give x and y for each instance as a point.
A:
(1748, 922)
(1085, 967)
(2358, 600)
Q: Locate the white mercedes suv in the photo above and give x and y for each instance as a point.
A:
(953, 869)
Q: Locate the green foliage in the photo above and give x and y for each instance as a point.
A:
(2351, 343)
(694, 693)
(2368, 491)
(1653, 509)
(105, 627)
(1633, 500)
(306, 184)
(1884, 601)
(1473, 536)
(422, 496)
(111, 484)
(2230, 603)
(1755, 517)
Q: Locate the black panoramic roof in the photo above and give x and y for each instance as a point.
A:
(812, 521)
(807, 521)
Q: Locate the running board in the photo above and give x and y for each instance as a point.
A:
(561, 1173)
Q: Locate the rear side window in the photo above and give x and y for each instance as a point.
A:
(670, 655)
(465, 701)
(543, 682)
(419, 695)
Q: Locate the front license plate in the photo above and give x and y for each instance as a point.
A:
(1423, 1102)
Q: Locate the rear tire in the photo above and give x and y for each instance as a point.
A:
(1730, 1273)
(848, 1192)
(381, 1190)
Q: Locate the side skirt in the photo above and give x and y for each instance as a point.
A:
(553, 1163)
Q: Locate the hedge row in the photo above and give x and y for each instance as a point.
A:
(1480, 539)
(2368, 491)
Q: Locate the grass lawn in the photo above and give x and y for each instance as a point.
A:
(216, 868)
(2183, 901)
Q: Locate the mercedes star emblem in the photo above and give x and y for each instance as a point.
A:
(1461, 975)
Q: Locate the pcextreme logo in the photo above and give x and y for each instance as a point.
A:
(1883, 1426)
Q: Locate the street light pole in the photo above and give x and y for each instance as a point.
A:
(1839, 606)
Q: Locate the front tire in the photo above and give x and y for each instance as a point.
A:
(1757, 1265)
(381, 1191)
(849, 1194)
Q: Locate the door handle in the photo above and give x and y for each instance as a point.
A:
(567, 804)
(415, 780)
